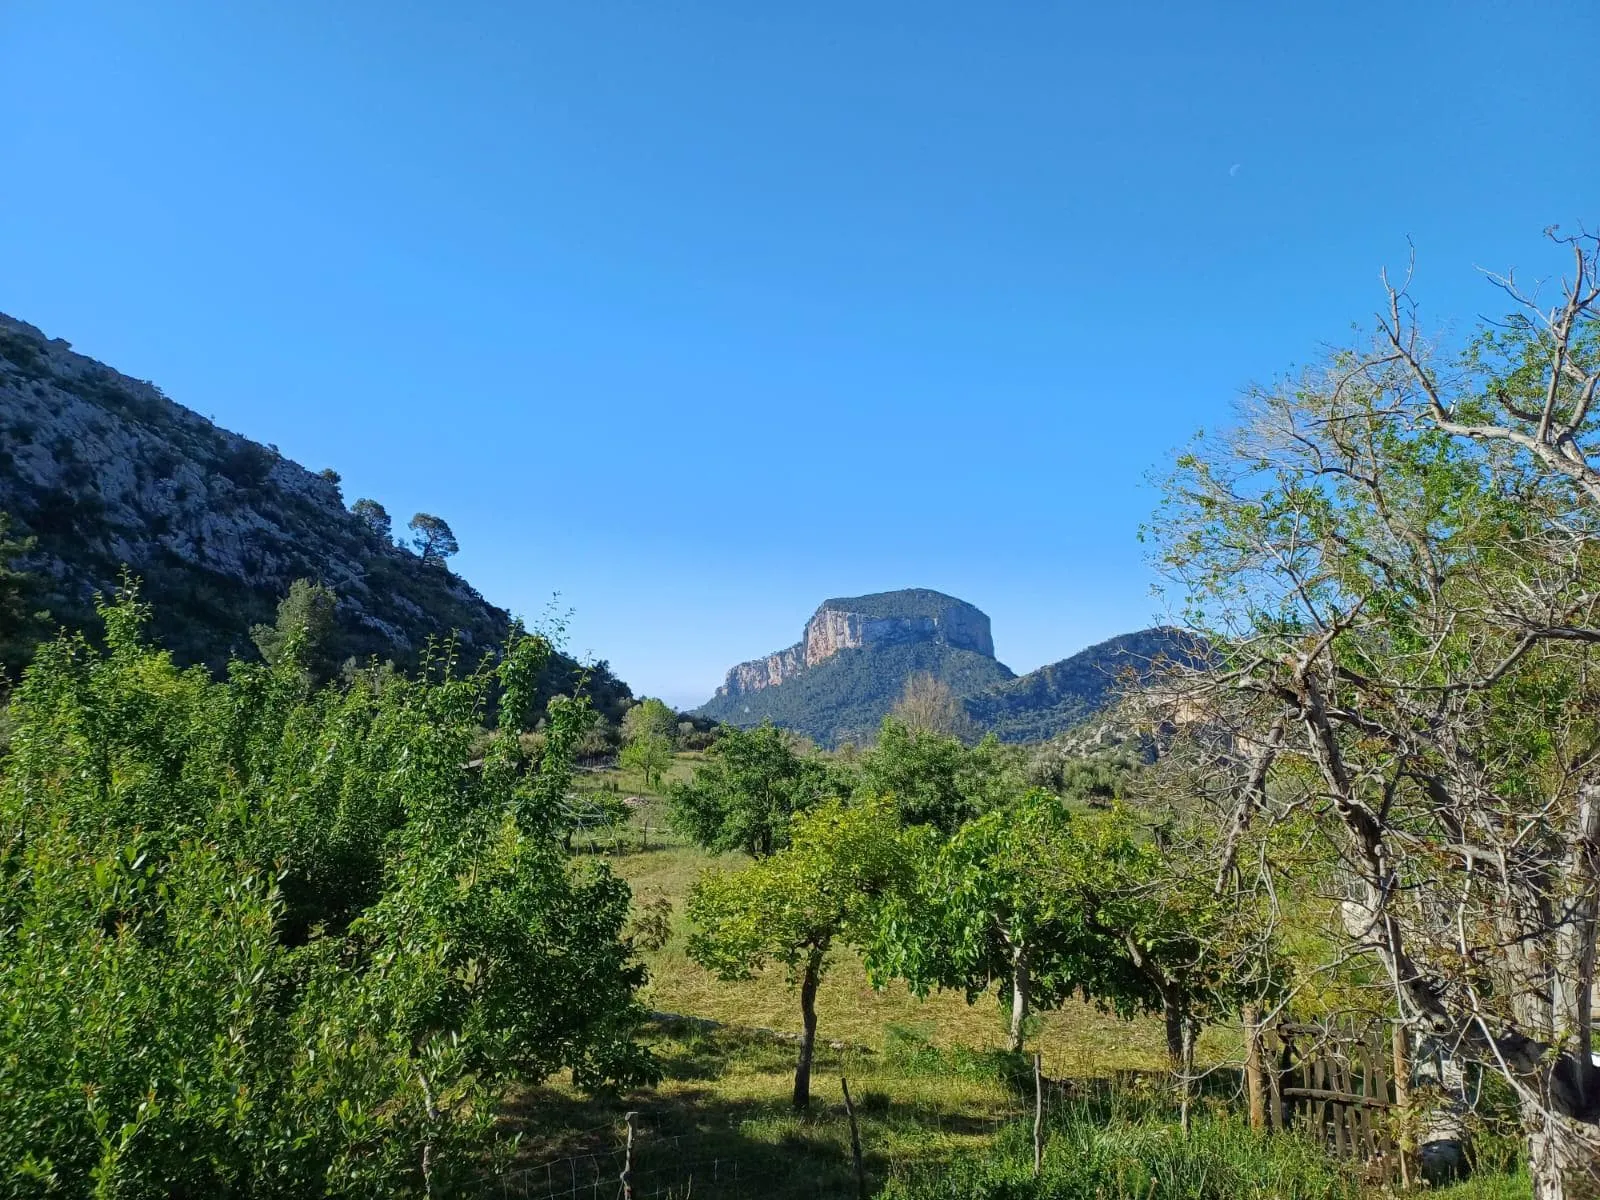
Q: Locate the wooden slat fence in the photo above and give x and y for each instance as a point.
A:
(1338, 1086)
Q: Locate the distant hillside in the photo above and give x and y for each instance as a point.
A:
(1055, 698)
(846, 698)
(856, 653)
(104, 472)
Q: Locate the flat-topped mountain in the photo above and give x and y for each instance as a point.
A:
(855, 622)
(854, 656)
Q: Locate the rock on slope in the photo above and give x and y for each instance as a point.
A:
(104, 472)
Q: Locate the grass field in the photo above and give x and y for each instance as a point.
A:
(929, 1080)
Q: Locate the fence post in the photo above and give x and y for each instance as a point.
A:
(855, 1141)
(627, 1159)
(1254, 1074)
(1402, 1100)
(1038, 1115)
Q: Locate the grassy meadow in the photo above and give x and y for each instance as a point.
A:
(942, 1110)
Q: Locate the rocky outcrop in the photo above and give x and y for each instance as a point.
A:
(765, 672)
(106, 473)
(913, 615)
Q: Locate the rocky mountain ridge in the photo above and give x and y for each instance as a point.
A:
(853, 660)
(106, 473)
(858, 622)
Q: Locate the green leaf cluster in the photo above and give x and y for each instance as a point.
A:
(262, 938)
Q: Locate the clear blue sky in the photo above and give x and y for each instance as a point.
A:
(700, 312)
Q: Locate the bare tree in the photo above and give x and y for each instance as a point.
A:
(1400, 555)
(928, 703)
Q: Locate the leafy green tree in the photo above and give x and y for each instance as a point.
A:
(650, 754)
(305, 629)
(258, 938)
(743, 795)
(797, 906)
(650, 718)
(935, 778)
(984, 914)
(375, 516)
(1396, 552)
(432, 537)
(22, 622)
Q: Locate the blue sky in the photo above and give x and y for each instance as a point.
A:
(700, 312)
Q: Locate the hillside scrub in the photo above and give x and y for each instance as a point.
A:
(260, 938)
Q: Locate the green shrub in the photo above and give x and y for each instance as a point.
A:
(263, 939)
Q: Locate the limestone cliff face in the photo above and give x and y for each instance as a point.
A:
(104, 471)
(881, 619)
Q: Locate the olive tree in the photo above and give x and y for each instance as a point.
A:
(799, 905)
(1398, 557)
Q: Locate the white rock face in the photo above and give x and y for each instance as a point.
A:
(105, 471)
(836, 626)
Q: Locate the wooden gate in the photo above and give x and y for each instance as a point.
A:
(1339, 1086)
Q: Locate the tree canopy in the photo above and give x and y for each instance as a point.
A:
(260, 937)
(1397, 551)
(305, 628)
(375, 517)
(936, 779)
(432, 537)
(795, 907)
(743, 795)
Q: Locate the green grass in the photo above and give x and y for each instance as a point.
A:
(1078, 1040)
(930, 1083)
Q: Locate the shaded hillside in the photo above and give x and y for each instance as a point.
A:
(1055, 698)
(856, 653)
(846, 697)
(105, 472)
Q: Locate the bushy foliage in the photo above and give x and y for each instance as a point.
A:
(375, 516)
(22, 619)
(985, 912)
(259, 938)
(305, 616)
(745, 792)
(935, 779)
(649, 718)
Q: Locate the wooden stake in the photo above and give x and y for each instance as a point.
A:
(1038, 1116)
(1254, 1074)
(855, 1141)
(627, 1159)
(1402, 1100)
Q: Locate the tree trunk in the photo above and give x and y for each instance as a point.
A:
(1255, 1076)
(1563, 1156)
(1186, 1074)
(808, 1036)
(1172, 1015)
(1021, 986)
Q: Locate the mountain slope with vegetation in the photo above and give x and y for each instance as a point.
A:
(1062, 695)
(104, 474)
(858, 654)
